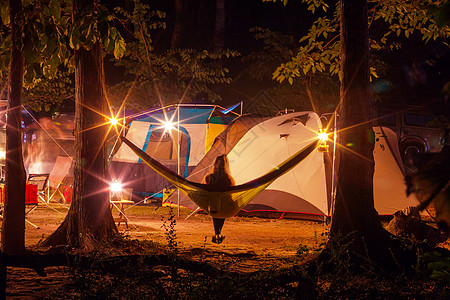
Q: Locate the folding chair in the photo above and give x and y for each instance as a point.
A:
(54, 186)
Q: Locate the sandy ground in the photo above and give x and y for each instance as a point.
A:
(250, 244)
(277, 238)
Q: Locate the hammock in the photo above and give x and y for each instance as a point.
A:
(222, 202)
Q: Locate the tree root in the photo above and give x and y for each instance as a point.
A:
(39, 262)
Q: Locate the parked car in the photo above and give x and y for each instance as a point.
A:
(416, 135)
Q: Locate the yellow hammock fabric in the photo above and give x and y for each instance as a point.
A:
(228, 201)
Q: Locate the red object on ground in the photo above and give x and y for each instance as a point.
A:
(67, 193)
(30, 194)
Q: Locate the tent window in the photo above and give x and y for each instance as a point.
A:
(163, 145)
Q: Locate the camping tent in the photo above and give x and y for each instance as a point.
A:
(254, 146)
(180, 148)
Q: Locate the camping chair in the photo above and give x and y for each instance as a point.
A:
(54, 186)
(119, 204)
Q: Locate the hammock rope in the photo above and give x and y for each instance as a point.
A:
(222, 202)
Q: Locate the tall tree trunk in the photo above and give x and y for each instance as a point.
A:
(219, 34)
(89, 220)
(13, 227)
(355, 216)
(177, 34)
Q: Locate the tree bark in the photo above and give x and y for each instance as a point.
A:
(177, 34)
(219, 34)
(355, 216)
(89, 221)
(13, 227)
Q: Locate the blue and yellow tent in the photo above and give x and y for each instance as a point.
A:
(194, 128)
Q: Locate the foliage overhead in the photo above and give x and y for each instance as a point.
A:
(389, 22)
(167, 77)
(51, 35)
(317, 91)
(48, 40)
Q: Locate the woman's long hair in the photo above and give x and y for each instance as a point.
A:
(221, 164)
(222, 168)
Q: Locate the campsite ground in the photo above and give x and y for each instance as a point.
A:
(262, 239)
(251, 244)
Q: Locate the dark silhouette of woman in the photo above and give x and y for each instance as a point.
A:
(219, 178)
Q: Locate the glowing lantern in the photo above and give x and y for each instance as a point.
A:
(323, 138)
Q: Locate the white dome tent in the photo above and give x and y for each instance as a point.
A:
(254, 146)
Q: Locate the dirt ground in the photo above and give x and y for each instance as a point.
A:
(277, 238)
(251, 243)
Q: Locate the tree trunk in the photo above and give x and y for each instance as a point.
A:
(219, 34)
(355, 216)
(13, 227)
(89, 220)
(178, 25)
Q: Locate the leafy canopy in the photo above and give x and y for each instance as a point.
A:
(389, 20)
(49, 38)
(163, 76)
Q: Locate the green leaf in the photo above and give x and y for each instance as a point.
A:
(74, 41)
(4, 12)
(29, 75)
(304, 38)
(276, 74)
(55, 9)
(119, 47)
(112, 33)
(306, 69)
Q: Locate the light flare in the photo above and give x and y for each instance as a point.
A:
(323, 138)
(322, 135)
(115, 187)
(168, 126)
(114, 121)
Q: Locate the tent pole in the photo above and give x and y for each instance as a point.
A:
(178, 156)
(333, 175)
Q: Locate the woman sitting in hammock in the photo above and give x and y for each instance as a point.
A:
(220, 177)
